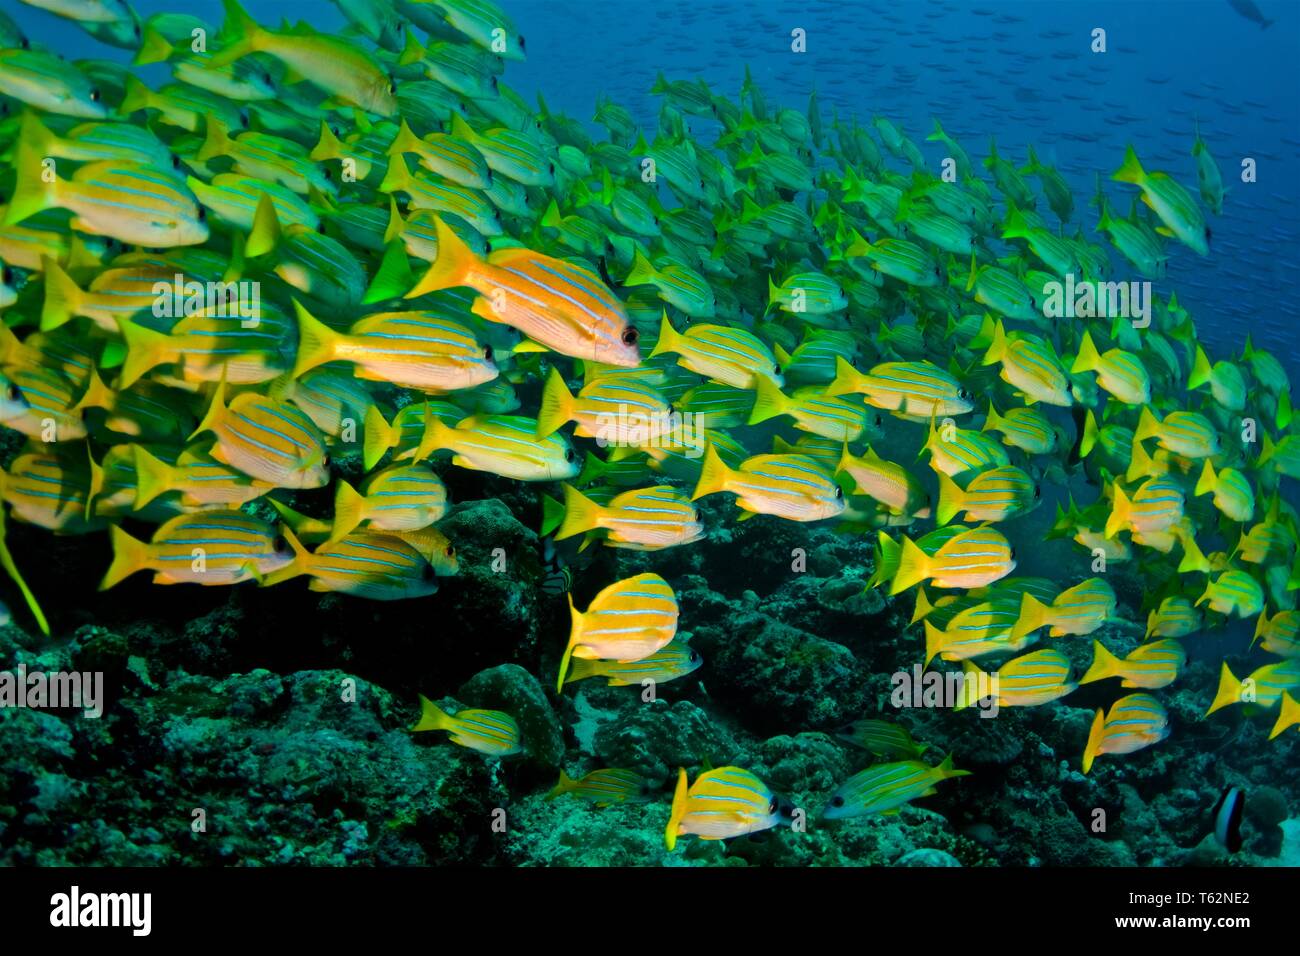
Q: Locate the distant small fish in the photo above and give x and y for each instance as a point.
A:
(491, 732)
(1251, 12)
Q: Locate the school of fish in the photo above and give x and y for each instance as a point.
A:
(303, 246)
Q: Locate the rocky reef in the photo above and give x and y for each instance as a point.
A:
(260, 727)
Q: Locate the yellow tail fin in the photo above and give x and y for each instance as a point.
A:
(935, 641)
(145, 350)
(678, 811)
(580, 514)
(317, 342)
(1229, 691)
(557, 405)
(565, 784)
(769, 403)
(951, 499)
(432, 717)
(349, 510)
(63, 297)
(575, 634)
(1088, 359)
(1289, 715)
(1119, 513)
(379, 438)
(1104, 665)
(1093, 748)
(913, 567)
(1033, 615)
(455, 259)
(129, 556)
(153, 477)
(714, 474)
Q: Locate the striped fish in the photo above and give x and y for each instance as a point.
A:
(615, 410)
(917, 390)
(126, 292)
(722, 803)
(1150, 666)
(1079, 610)
(201, 481)
(516, 156)
(971, 559)
(1030, 364)
(399, 498)
(135, 204)
(1233, 494)
(1133, 722)
(446, 155)
(379, 567)
(52, 488)
(882, 738)
(266, 440)
(505, 445)
(605, 787)
(236, 199)
(993, 495)
(49, 83)
(1175, 617)
(331, 397)
(442, 197)
(984, 628)
(211, 548)
(1281, 633)
(789, 486)
(1030, 680)
(812, 410)
(420, 350)
(813, 362)
(718, 406)
(211, 344)
(1233, 592)
(645, 519)
(1184, 433)
(886, 787)
(1263, 688)
(723, 354)
(1118, 372)
(491, 732)
(887, 482)
(266, 157)
(668, 663)
(557, 304)
(1156, 506)
(677, 283)
(898, 258)
(627, 621)
(1024, 428)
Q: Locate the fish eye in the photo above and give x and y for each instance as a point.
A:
(837, 801)
(552, 167)
(334, 130)
(26, 44)
(7, 275)
(495, 85)
(522, 48)
(963, 394)
(631, 336)
(321, 229)
(13, 392)
(698, 516)
(774, 805)
(694, 657)
(137, 31)
(451, 551)
(325, 461)
(94, 95)
(428, 573)
(776, 369)
(568, 454)
(1013, 553)
(839, 493)
(203, 214)
(280, 545)
(1038, 492)
(329, 176)
(487, 353)
(176, 162)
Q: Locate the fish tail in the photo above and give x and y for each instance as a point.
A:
(405, 141)
(557, 405)
(913, 567)
(394, 273)
(129, 556)
(294, 519)
(397, 178)
(581, 669)
(153, 477)
(1284, 412)
(1261, 625)
(552, 218)
(1093, 747)
(1131, 171)
(1194, 558)
(32, 193)
(1289, 715)
(1208, 481)
(36, 138)
(266, 232)
(380, 436)
(1015, 226)
(998, 347)
(948, 771)
(713, 475)
(846, 378)
(769, 403)
(154, 47)
(63, 297)
(317, 342)
(580, 514)
(96, 395)
(643, 272)
(1119, 513)
(437, 435)
(299, 564)
(923, 606)
(966, 692)
(1229, 691)
(216, 140)
(669, 340)
(455, 260)
(935, 640)
(328, 146)
(565, 784)
(11, 568)
(145, 349)
(1201, 369)
(349, 510)
(678, 811)
(993, 420)
(575, 633)
(244, 32)
(1033, 615)
(951, 499)
(1088, 359)
(135, 96)
(1104, 665)
(216, 409)
(1091, 435)
(432, 717)
(1267, 451)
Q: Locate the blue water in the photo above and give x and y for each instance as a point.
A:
(1021, 72)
